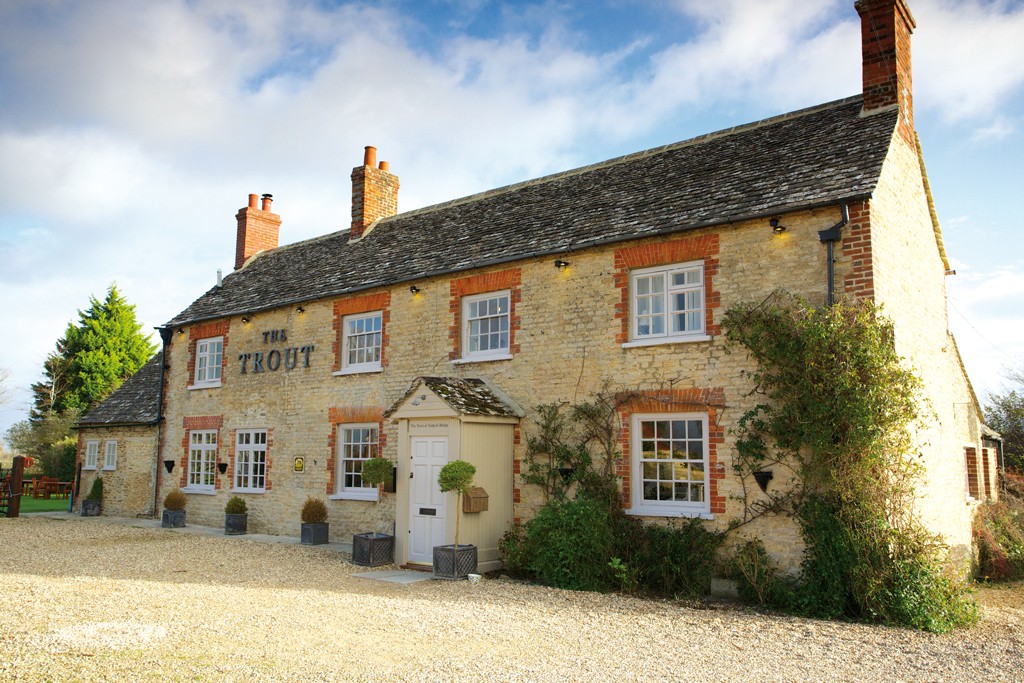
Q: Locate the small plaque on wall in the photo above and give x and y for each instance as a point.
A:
(300, 464)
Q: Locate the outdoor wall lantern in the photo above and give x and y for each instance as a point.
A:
(223, 467)
(777, 227)
(413, 289)
(560, 264)
(566, 473)
(246, 319)
(300, 309)
(169, 466)
(762, 477)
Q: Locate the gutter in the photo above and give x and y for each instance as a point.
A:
(830, 237)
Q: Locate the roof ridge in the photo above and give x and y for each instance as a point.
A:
(633, 156)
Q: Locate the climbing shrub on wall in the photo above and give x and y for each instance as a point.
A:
(839, 412)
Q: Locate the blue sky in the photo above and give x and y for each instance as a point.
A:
(132, 131)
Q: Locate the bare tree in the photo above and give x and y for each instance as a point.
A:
(5, 390)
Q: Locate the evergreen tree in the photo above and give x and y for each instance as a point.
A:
(93, 358)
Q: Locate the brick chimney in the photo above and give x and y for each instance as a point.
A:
(885, 28)
(258, 229)
(374, 193)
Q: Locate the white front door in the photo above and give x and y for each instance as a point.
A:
(427, 505)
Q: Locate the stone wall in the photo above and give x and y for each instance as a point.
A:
(128, 488)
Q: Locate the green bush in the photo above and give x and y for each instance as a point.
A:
(999, 534)
(314, 511)
(516, 552)
(675, 560)
(236, 506)
(571, 543)
(96, 492)
(175, 500)
(756, 574)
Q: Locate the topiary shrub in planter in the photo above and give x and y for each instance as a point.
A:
(314, 527)
(374, 548)
(174, 510)
(455, 561)
(92, 504)
(236, 517)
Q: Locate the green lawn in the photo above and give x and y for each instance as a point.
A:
(30, 504)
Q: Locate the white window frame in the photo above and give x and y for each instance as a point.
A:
(665, 302)
(669, 508)
(204, 369)
(92, 454)
(203, 480)
(348, 338)
(250, 453)
(110, 455)
(346, 445)
(499, 353)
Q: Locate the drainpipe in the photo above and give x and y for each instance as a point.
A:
(830, 237)
(166, 334)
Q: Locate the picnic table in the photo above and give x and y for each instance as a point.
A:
(47, 487)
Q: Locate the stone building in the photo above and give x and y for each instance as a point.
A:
(433, 334)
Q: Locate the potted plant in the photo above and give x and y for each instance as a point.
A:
(455, 561)
(375, 548)
(313, 530)
(236, 517)
(92, 503)
(174, 509)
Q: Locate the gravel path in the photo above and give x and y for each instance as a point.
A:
(85, 601)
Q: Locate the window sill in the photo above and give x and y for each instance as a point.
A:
(194, 387)
(248, 491)
(481, 359)
(353, 496)
(358, 371)
(109, 469)
(199, 492)
(659, 341)
(86, 468)
(668, 512)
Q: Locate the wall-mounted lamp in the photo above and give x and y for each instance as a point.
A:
(223, 467)
(300, 309)
(560, 264)
(762, 477)
(245, 319)
(169, 466)
(414, 289)
(181, 330)
(777, 228)
(419, 399)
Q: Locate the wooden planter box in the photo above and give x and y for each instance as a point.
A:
(235, 524)
(173, 519)
(90, 508)
(373, 549)
(454, 563)
(313, 533)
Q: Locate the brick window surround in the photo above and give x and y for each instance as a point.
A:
(338, 417)
(971, 461)
(859, 282)
(663, 253)
(230, 474)
(362, 304)
(708, 401)
(510, 279)
(202, 422)
(205, 331)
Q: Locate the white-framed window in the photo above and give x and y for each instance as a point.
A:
(485, 325)
(92, 453)
(202, 459)
(357, 443)
(251, 460)
(209, 353)
(667, 303)
(361, 334)
(110, 456)
(669, 464)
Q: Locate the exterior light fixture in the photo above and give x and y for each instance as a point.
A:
(181, 330)
(223, 467)
(300, 309)
(169, 465)
(560, 264)
(245, 319)
(762, 477)
(777, 228)
(413, 289)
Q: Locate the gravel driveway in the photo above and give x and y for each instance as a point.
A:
(88, 601)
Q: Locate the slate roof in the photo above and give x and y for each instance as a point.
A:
(136, 402)
(810, 158)
(465, 396)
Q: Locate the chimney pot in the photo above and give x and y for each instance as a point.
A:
(267, 200)
(370, 156)
(385, 166)
(253, 198)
